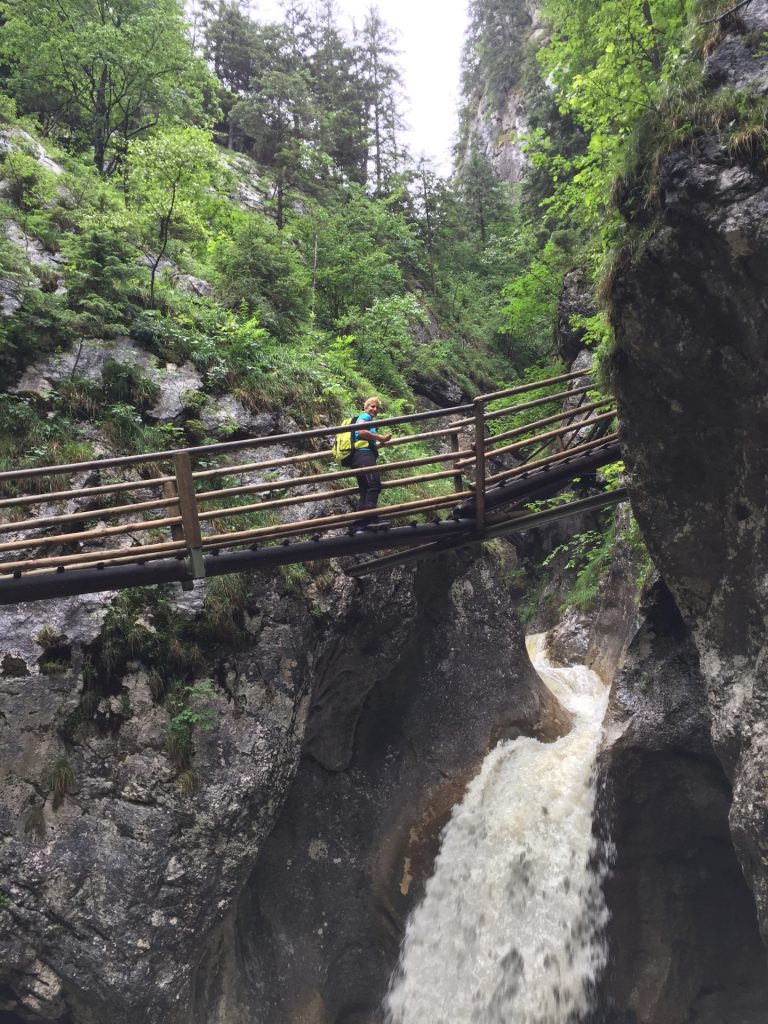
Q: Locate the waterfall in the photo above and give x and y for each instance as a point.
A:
(510, 928)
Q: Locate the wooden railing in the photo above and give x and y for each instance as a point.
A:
(137, 509)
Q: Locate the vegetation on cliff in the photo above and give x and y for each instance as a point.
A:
(609, 89)
(232, 195)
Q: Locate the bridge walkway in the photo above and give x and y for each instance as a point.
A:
(181, 515)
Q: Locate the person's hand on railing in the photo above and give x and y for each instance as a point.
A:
(383, 438)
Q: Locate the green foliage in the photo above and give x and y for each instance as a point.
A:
(143, 625)
(513, 421)
(29, 438)
(191, 709)
(102, 278)
(608, 63)
(357, 251)
(530, 310)
(125, 382)
(686, 112)
(383, 340)
(258, 271)
(28, 185)
(225, 598)
(444, 362)
(296, 577)
(59, 779)
(170, 178)
(43, 324)
(101, 74)
(589, 558)
(491, 57)
(124, 428)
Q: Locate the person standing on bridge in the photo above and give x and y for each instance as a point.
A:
(365, 443)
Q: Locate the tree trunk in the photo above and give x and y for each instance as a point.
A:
(653, 53)
(101, 128)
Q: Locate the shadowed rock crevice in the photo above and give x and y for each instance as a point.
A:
(684, 939)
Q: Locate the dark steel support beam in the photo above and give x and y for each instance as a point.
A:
(43, 586)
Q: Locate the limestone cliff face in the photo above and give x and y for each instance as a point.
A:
(495, 131)
(497, 112)
(690, 315)
(125, 896)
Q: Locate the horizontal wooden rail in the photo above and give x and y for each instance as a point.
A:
(119, 461)
(548, 435)
(550, 459)
(85, 492)
(304, 481)
(579, 410)
(97, 534)
(13, 476)
(511, 410)
(521, 389)
(97, 513)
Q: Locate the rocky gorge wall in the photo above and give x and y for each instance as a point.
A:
(691, 368)
(123, 894)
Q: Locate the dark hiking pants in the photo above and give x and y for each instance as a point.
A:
(368, 484)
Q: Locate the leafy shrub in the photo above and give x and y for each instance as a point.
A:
(28, 438)
(102, 278)
(384, 340)
(260, 274)
(43, 324)
(28, 185)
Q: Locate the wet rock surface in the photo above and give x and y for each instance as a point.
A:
(576, 299)
(684, 939)
(113, 877)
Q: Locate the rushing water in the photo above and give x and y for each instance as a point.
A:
(510, 928)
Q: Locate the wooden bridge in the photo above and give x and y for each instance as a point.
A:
(177, 516)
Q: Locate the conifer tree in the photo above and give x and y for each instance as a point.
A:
(339, 97)
(383, 81)
(273, 120)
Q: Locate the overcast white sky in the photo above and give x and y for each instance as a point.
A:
(430, 36)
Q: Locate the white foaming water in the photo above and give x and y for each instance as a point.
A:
(509, 931)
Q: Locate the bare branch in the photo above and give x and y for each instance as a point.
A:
(710, 21)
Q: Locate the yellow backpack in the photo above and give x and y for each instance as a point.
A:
(343, 445)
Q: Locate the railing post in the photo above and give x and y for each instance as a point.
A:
(479, 463)
(177, 531)
(193, 539)
(458, 485)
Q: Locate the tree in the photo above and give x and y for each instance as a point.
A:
(101, 72)
(170, 178)
(357, 250)
(273, 120)
(486, 198)
(383, 80)
(230, 44)
(340, 98)
(607, 63)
